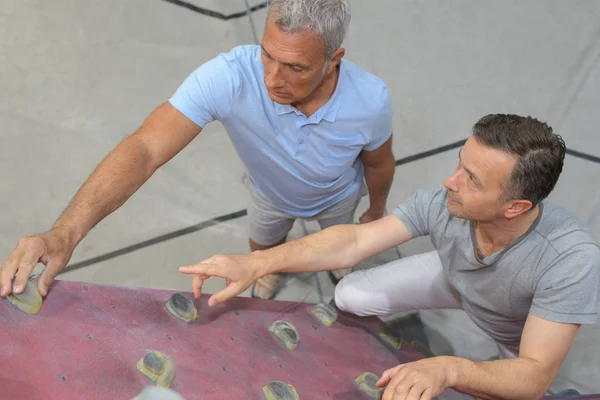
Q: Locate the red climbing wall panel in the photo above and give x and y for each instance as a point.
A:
(86, 340)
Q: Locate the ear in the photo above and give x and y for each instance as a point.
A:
(336, 58)
(517, 207)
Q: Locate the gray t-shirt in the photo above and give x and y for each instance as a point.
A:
(552, 271)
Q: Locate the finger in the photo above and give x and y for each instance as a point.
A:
(48, 275)
(230, 291)
(204, 268)
(397, 386)
(197, 281)
(415, 392)
(27, 262)
(8, 271)
(400, 392)
(427, 394)
(386, 376)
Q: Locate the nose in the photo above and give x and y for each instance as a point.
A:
(451, 182)
(273, 78)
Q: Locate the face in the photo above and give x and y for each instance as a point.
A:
(294, 64)
(476, 188)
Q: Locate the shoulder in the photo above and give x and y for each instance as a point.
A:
(570, 251)
(232, 65)
(364, 90)
(242, 55)
(563, 231)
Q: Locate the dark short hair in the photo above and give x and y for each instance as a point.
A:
(539, 151)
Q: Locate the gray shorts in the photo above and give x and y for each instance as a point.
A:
(269, 225)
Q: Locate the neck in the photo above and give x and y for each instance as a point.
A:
(500, 233)
(320, 95)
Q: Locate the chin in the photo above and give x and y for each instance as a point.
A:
(281, 100)
(454, 210)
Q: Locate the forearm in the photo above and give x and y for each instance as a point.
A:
(329, 249)
(379, 180)
(113, 181)
(518, 378)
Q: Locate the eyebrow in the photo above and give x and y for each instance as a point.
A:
(469, 171)
(284, 63)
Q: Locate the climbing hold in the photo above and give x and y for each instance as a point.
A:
(392, 337)
(366, 383)
(29, 301)
(325, 313)
(158, 367)
(277, 390)
(182, 307)
(158, 393)
(286, 333)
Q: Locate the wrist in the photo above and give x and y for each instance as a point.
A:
(454, 365)
(69, 236)
(376, 209)
(261, 263)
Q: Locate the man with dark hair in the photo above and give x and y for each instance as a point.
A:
(526, 272)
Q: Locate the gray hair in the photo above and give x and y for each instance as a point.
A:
(329, 19)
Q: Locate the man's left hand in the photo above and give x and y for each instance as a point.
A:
(370, 215)
(419, 380)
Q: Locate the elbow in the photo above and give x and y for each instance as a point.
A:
(145, 157)
(542, 383)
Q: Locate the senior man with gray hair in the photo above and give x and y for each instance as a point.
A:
(309, 127)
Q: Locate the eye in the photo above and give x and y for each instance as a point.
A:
(295, 68)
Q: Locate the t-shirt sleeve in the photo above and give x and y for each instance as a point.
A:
(420, 211)
(207, 93)
(382, 127)
(567, 291)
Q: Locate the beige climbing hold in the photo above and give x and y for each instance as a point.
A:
(366, 383)
(277, 390)
(286, 333)
(325, 313)
(182, 307)
(392, 338)
(159, 368)
(29, 301)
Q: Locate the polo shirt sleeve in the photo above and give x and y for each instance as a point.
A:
(567, 291)
(382, 127)
(207, 93)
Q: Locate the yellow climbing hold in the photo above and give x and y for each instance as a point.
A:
(159, 368)
(182, 307)
(29, 301)
(366, 382)
(325, 313)
(277, 390)
(286, 333)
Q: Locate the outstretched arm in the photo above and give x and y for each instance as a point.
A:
(340, 246)
(124, 170)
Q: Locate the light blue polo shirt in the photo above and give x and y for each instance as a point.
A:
(302, 165)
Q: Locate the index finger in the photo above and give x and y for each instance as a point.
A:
(8, 271)
(205, 268)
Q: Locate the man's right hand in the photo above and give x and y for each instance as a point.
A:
(52, 248)
(239, 272)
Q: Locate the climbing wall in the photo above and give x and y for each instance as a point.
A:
(87, 339)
